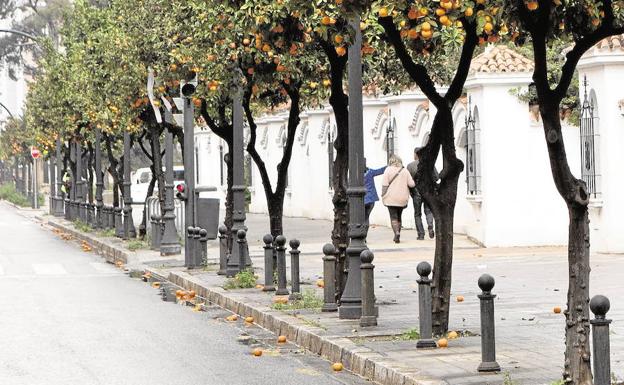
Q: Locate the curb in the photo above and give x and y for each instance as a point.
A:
(109, 252)
(360, 360)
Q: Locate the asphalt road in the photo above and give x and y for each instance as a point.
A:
(67, 317)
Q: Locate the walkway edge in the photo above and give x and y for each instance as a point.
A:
(357, 359)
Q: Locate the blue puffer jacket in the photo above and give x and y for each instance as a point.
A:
(369, 182)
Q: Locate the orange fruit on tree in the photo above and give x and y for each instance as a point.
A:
(383, 12)
(257, 352)
(469, 12)
(412, 34)
(413, 14)
(426, 26)
(488, 27)
(337, 366)
(338, 39)
(326, 83)
(426, 34)
(445, 20)
(423, 11)
(532, 5)
(326, 20)
(341, 51)
(442, 343)
(446, 4)
(440, 11)
(173, 67)
(197, 102)
(281, 339)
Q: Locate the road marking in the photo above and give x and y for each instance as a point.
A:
(49, 269)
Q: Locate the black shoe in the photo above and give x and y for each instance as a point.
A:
(431, 233)
(421, 237)
(397, 238)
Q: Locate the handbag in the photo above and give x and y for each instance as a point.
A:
(384, 189)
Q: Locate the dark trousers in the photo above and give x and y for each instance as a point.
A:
(367, 211)
(418, 204)
(395, 219)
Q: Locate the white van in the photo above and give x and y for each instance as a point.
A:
(141, 179)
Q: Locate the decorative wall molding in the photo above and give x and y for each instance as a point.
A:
(380, 122)
(324, 129)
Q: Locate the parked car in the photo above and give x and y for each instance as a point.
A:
(142, 177)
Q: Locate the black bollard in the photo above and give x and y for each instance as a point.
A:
(294, 269)
(242, 247)
(223, 250)
(190, 238)
(155, 229)
(268, 263)
(424, 307)
(369, 313)
(197, 259)
(488, 341)
(280, 241)
(110, 217)
(329, 272)
(203, 246)
(600, 305)
(67, 207)
(119, 226)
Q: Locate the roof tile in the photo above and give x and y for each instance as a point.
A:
(500, 59)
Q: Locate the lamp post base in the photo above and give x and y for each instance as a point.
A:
(489, 367)
(426, 344)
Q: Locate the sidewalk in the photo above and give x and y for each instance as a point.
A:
(529, 283)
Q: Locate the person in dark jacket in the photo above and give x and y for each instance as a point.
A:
(419, 202)
(371, 192)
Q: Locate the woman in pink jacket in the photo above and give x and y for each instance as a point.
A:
(395, 194)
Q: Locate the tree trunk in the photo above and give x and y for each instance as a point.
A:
(276, 212)
(90, 172)
(340, 232)
(157, 166)
(577, 367)
(441, 199)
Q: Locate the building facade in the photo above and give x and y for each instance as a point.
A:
(506, 194)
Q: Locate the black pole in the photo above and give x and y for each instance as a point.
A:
(189, 178)
(59, 180)
(169, 244)
(99, 180)
(351, 301)
(239, 256)
(128, 225)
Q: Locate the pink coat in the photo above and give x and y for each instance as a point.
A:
(398, 192)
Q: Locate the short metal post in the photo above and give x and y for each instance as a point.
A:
(127, 221)
(197, 261)
(424, 307)
(223, 250)
(268, 263)
(188, 245)
(154, 233)
(295, 280)
(119, 226)
(243, 248)
(369, 313)
(600, 305)
(203, 246)
(488, 341)
(329, 273)
(280, 241)
(233, 261)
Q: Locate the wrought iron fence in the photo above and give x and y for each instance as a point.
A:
(589, 137)
(330, 158)
(152, 206)
(390, 137)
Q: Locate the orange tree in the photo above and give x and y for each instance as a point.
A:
(421, 33)
(545, 24)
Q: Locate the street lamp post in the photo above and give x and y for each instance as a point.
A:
(128, 225)
(99, 180)
(351, 301)
(169, 244)
(58, 210)
(189, 171)
(240, 256)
